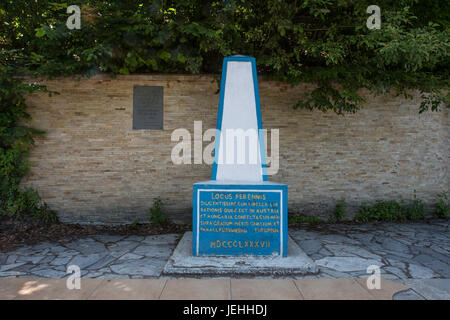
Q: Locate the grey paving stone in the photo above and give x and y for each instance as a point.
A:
(68, 253)
(169, 239)
(105, 238)
(299, 235)
(337, 239)
(438, 266)
(103, 262)
(47, 259)
(399, 255)
(345, 264)
(396, 263)
(395, 246)
(396, 271)
(11, 258)
(7, 267)
(407, 295)
(135, 238)
(425, 247)
(420, 272)
(123, 246)
(145, 267)
(48, 273)
(361, 237)
(351, 250)
(433, 289)
(84, 261)
(439, 249)
(130, 256)
(445, 258)
(86, 246)
(61, 268)
(310, 246)
(316, 256)
(157, 251)
(33, 259)
(11, 274)
(60, 261)
(25, 268)
(324, 252)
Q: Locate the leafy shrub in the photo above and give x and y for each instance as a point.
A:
(442, 207)
(339, 211)
(157, 215)
(416, 210)
(381, 211)
(392, 211)
(15, 142)
(134, 225)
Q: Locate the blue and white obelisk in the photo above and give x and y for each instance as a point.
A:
(239, 212)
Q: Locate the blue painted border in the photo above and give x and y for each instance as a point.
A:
(258, 113)
(284, 217)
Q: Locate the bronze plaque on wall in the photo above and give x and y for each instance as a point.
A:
(148, 109)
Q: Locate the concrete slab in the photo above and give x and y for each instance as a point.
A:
(182, 262)
(271, 289)
(10, 287)
(56, 289)
(332, 289)
(128, 289)
(196, 289)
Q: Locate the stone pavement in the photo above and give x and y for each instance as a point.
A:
(415, 254)
(196, 289)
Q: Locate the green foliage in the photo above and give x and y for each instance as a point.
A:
(442, 207)
(15, 142)
(134, 225)
(322, 42)
(391, 211)
(298, 218)
(381, 211)
(416, 210)
(157, 215)
(339, 211)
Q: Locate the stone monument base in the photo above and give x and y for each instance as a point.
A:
(183, 263)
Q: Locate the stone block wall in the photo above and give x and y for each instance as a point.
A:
(92, 167)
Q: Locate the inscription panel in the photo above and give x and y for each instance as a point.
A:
(148, 108)
(239, 221)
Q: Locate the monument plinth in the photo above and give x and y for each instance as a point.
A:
(238, 212)
(239, 218)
